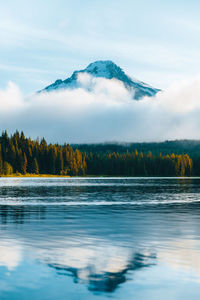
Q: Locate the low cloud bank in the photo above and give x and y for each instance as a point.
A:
(102, 110)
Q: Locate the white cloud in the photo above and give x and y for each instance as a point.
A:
(11, 100)
(102, 110)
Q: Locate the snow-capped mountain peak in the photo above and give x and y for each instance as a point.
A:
(108, 70)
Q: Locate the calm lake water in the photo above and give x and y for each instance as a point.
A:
(99, 238)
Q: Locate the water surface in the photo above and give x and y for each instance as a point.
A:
(99, 238)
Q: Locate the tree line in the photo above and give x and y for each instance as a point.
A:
(21, 155)
(138, 164)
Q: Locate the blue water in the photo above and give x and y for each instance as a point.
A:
(99, 238)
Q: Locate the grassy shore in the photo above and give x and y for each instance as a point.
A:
(33, 175)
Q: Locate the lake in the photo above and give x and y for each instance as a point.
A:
(99, 238)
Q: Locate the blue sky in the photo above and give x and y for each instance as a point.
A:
(154, 41)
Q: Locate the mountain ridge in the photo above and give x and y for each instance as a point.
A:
(108, 70)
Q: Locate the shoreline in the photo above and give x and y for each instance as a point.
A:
(33, 175)
(86, 176)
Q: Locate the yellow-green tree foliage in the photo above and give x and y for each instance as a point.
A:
(7, 168)
(23, 155)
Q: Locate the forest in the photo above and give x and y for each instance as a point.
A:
(20, 156)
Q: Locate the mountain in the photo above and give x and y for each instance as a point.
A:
(109, 70)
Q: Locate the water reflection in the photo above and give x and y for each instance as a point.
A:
(106, 280)
(145, 236)
(10, 254)
(20, 214)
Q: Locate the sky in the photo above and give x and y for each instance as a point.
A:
(154, 41)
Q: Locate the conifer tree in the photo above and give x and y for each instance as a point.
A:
(1, 162)
(59, 162)
(24, 164)
(35, 167)
(7, 168)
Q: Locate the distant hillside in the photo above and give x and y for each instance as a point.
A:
(191, 147)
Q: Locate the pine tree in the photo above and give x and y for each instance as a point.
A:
(24, 164)
(35, 167)
(59, 162)
(1, 164)
(7, 168)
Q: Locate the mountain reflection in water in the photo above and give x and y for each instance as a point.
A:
(109, 280)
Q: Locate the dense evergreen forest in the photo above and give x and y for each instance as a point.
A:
(21, 155)
(190, 147)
